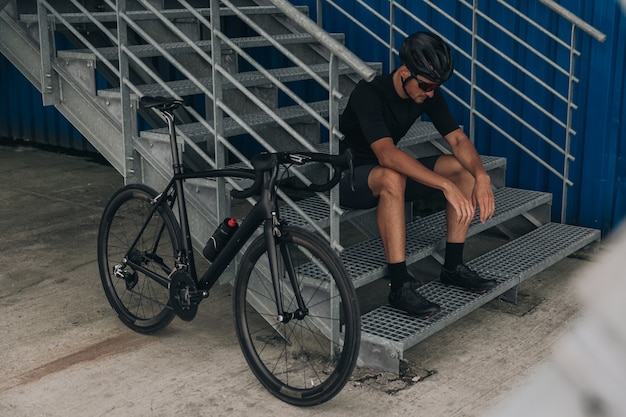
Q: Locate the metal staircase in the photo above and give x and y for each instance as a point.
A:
(255, 72)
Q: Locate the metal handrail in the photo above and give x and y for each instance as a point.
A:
(574, 20)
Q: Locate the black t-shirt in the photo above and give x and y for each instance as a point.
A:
(375, 111)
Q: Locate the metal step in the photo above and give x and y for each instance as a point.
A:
(248, 79)
(365, 261)
(259, 120)
(137, 15)
(510, 264)
(148, 51)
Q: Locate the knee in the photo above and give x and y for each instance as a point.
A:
(388, 183)
(458, 174)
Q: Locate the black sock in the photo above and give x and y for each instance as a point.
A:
(399, 274)
(454, 255)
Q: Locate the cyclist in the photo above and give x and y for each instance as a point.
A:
(379, 113)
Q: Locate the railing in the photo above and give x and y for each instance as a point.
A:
(209, 20)
(479, 86)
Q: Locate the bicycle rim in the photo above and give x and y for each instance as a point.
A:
(140, 302)
(304, 361)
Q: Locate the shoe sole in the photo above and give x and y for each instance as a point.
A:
(476, 290)
(424, 315)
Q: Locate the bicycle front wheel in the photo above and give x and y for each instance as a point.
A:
(135, 278)
(308, 359)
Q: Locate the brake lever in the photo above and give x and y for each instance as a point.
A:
(299, 159)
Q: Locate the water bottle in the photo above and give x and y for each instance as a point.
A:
(220, 237)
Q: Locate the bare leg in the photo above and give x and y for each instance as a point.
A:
(461, 275)
(389, 186)
(449, 167)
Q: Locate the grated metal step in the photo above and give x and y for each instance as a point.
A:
(147, 51)
(290, 114)
(137, 15)
(509, 264)
(365, 261)
(247, 79)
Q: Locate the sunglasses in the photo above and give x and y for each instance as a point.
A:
(425, 86)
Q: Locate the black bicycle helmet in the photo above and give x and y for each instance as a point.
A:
(428, 55)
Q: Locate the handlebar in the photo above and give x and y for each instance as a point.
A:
(265, 162)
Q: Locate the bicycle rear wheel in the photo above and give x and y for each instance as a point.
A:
(140, 301)
(307, 360)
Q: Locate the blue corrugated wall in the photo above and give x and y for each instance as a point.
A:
(598, 197)
(23, 117)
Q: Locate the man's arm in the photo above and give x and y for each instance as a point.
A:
(389, 156)
(465, 152)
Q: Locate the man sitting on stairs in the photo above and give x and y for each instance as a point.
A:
(379, 113)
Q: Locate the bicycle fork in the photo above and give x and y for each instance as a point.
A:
(271, 233)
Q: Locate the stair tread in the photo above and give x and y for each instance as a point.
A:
(135, 15)
(290, 114)
(365, 261)
(525, 257)
(247, 78)
(419, 133)
(145, 51)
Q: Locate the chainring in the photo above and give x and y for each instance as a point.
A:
(181, 288)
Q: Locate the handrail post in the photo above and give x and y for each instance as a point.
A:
(48, 93)
(128, 110)
(319, 18)
(333, 145)
(218, 114)
(568, 124)
(472, 107)
(392, 25)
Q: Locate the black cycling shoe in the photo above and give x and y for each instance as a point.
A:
(462, 276)
(407, 298)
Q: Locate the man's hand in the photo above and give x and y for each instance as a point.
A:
(463, 207)
(482, 196)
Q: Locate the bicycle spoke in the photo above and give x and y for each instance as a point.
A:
(310, 355)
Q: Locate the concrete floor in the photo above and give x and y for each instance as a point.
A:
(63, 352)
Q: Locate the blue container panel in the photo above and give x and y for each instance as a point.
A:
(23, 116)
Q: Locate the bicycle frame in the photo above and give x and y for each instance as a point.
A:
(295, 310)
(265, 212)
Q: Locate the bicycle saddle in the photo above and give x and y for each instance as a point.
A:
(160, 103)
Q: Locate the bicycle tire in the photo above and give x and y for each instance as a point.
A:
(293, 360)
(140, 302)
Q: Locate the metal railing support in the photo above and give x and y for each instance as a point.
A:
(218, 114)
(46, 45)
(333, 121)
(128, 111)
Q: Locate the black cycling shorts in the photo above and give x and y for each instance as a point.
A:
(362, 198)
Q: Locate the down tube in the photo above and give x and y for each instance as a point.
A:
(252, 221)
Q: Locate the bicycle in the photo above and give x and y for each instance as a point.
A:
(296, 312)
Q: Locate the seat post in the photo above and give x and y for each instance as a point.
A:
(176, 164)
